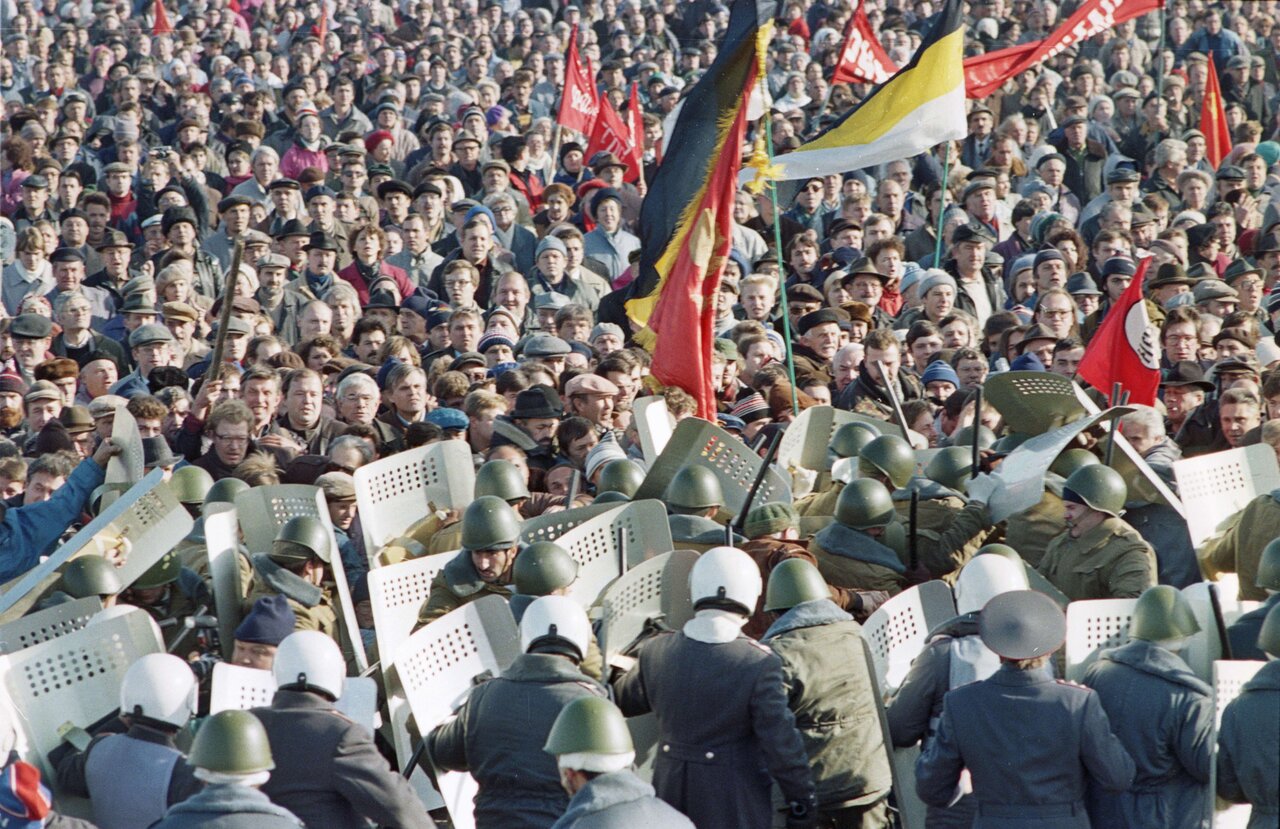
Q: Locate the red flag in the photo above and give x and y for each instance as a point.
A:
(984, 74)
(161, 24)
(322, 28)
(1213, 121)
(863, 59)
(611, 134)
(579, 103)
(1124, 349)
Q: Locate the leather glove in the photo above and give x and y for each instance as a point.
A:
(865, 603)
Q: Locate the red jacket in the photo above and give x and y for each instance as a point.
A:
(352, 275)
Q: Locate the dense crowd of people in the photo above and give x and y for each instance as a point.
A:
(368, 215)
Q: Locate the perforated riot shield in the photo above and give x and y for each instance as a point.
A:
(696, 441)
(148, 516)
(654, 424)
(47, 624)
(222, 536)
(396, 491)
(129, 465)
(1216, 486)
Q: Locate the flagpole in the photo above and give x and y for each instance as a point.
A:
(555, 153)
(942, 203)
(1164, 22)
(782, 287)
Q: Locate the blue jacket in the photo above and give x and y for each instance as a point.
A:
(1249, 748)
(27, 533)
(227, 806)
(1243, 632)
(1163, 715)
(1030, 744)
(619, 800)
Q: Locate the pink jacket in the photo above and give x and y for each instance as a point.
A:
(296, 159)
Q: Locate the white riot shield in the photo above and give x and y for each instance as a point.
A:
(902, 761)
(127, 467)
(1228, 679)
(262, 511)
(436, 667)
(397, 592)
(654, 424)
(1022, 472)
(148, 516)
(73, 679)
(696, 441)
(398, 490)
(1093, 625)
(804, 443)
(551, 525)
(1034, 402)
(240, 688)
(221, 536)
(1205, 648)
(897, 631)
(654, 589)
(594, 544)
(1218, 485)
(47, 624)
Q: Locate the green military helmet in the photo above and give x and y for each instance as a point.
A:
(864, 504)
(163, 572)
(694, 489)
(503, 480)
(91, 576)
(889, 456)
(895, 538)
(301, 539)
(622, 475)
(1011, 441)
(542, 568)
(224, 491)
(794, 581)
(1000, 550)
(849, 440)
(1097, 487)
(769, 518)
(1069, 460)
(964, 437)
(191, 485)
(232, 742)
(589, 725)
(105, 495)
(1162, 612)
(1269, 636)
(490, 523)
(952, 467)
(1269, 566)
(611, 497)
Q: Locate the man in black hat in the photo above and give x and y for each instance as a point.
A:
(532, 426)
(116, 253)
(180, 229)
(1184, 389)
(68, 277)
(819, 341)
(981, 291)
(31, 334)
(319, 275)
(321, 201)
(1058, 731)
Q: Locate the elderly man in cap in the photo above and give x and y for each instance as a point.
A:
(1163, 715)
(31, 334)
(819, 342)
(980, 290)
(151, 347)
(592, 397)
(180, 228)
(1058, 732)
(259, 634)
(78, 340)
(282, 306)
(116, 252)
(235, 349)
(531, 425)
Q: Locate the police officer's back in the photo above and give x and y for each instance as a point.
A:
(954, 656)
(232, 755)
(722, 711)
(594, 752)
(1243, 632)
(1249, 737)
(1031, 744)
(499, 733)
(157, 698)
(328, 771)
(832, 693)
(544, 568)
(1163, 715)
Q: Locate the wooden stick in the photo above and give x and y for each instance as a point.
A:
(224, 317)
